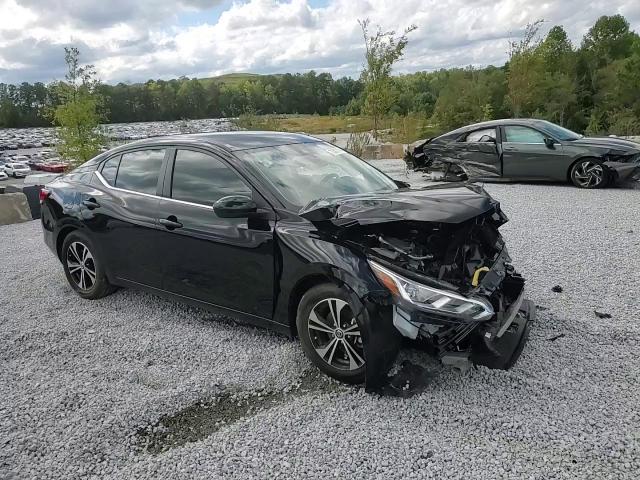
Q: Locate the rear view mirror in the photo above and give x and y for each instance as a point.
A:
(234, 206)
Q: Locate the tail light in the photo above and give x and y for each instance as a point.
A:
(44, 194)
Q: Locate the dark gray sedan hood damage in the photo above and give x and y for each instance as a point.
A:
(608, 142)
(439, 203)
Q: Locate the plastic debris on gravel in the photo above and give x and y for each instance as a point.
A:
(133, 386)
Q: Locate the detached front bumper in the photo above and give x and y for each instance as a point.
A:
(502, 349)
(495, 342)
(624, 171)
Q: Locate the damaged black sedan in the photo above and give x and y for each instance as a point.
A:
(288, 232)
(527, 150)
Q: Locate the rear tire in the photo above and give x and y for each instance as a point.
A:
(82, 267)
(336, 348)
(589, 173)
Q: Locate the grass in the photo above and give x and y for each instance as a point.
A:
(395, 129)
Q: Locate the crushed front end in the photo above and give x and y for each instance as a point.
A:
(454, 289)
(445, 275)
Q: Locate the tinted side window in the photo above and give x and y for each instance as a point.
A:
(203, 179)
(139, 171)
(110, 169)
(478, 134)
(523, 135)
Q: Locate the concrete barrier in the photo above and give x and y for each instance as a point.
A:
(383, 150)
(14, 208)
(33, 197)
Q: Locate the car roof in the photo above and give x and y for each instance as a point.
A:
(230, 141)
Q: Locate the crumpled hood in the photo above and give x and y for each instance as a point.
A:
(439, 203)
(608, 142)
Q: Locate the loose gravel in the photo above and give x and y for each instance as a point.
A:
(133, 386)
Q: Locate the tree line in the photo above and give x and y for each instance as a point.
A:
(590, 88)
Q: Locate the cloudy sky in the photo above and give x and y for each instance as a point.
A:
(134, 40)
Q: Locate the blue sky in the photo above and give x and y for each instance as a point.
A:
(134, 41)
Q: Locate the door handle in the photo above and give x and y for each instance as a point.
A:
(90, 203)
(170, 223)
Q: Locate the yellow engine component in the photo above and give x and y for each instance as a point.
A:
(476, 275)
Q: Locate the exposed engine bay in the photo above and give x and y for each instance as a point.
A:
(470, 259)
(447, 253)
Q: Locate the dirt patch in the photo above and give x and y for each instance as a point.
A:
(206, 417)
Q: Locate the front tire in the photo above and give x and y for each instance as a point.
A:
(330, 332)
(82, 267)
(589, 173)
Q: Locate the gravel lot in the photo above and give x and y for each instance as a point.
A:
(133, 386)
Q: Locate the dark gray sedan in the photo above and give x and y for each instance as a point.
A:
(528, 150)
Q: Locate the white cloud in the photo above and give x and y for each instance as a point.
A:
(145, 39)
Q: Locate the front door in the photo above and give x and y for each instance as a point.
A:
(526, 155)
(228, 262)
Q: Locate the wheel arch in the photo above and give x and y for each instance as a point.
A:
(300, 288)
(64, 233)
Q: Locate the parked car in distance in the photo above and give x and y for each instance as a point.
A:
(53, 166)
(17, 170)
(530, 150)
(291, 233)
(35, 163)
(3, 176)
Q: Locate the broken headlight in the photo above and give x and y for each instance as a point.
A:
(432, 299)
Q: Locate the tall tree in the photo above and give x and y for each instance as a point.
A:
(526, 71)
(79, 115)
(382, 50)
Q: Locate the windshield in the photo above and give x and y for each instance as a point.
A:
(560, 133)
(304, 172)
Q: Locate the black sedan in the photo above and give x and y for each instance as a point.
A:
(528, 150)
(291, 233)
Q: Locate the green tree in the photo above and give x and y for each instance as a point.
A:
(382, 50)
(557, 51)
(79, 114)
(609, 39)
(463, 100)
(526, 72)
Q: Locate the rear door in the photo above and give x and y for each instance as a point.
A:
(526, 155)
(479, 153)
(125, 214)
(228, 262)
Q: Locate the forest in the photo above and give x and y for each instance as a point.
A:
(592, 88)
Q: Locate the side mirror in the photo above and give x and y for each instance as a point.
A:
(549, 142)
(234, 206)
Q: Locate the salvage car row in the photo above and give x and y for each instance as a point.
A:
(30, 138)
(21, 165)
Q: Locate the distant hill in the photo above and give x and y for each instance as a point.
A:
(231, 78)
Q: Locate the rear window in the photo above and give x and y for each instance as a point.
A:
(110, 170)
(139, 171)
(481, 135)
